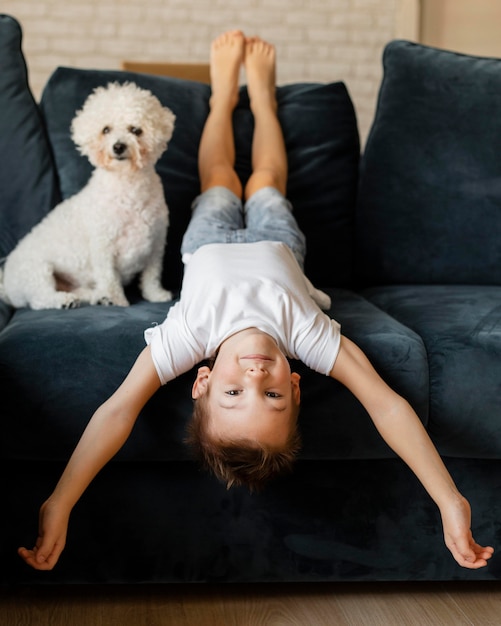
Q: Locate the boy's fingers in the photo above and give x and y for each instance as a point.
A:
(23, 552)
(30, 559)
(39, 558)
(471, 557)
(481, 551)
(48, 553)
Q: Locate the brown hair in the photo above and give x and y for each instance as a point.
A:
(238, 462)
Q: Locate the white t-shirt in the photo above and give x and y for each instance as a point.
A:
(231, 287)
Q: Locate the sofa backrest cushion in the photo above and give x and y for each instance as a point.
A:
(429, 201)
(321, 134)
(28, 187)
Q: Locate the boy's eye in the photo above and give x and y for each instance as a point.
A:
(237, 392)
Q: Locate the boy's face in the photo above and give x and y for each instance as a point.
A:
(253, 394)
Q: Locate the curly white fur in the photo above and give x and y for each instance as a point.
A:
(92, 244)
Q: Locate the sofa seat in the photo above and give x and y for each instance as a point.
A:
(46, 355)
(460, 326)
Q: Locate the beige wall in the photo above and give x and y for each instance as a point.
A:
(317, 40)
(471, 26)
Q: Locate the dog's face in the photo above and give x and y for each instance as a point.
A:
(122, 126)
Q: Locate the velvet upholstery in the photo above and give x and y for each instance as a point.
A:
(91, 349)
(5, 314)
(350, 510)
(429, 187)
(461, 329)
(329, 521)
(27, 176)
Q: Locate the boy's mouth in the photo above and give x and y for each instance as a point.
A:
(256, 357)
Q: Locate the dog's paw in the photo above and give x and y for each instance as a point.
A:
(164, 296)
(109, 300)
(158, 295)
(104, 301)
(119, 301)
(71, 303)
(54, 300)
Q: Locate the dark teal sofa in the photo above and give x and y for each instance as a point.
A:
(406, 238)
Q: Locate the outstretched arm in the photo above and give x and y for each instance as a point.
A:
(403, 431)
(106, 432)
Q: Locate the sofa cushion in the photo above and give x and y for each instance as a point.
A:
(6, 312)
(334, 424)
(58, 366)
(27, 176)
(461, 329)
(430, 180)
(322, 140)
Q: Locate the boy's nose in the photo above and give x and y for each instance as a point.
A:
(257, 371)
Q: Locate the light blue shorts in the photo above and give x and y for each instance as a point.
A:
(220, 217)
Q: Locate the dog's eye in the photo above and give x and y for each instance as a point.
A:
(106, 130)
(135, 130)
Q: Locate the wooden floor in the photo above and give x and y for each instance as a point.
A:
(372, 604)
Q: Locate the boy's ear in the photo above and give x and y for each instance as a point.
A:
(201, 383)
(296, 391)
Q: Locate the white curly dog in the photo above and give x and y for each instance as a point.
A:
(95, 242)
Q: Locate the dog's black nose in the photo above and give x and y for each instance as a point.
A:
(119, 148)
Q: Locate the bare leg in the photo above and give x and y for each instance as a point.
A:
(269, 157)
(216, 155)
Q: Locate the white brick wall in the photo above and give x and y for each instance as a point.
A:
(316, 40)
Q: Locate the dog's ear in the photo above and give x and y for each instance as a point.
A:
(167, 120)
(82, 128)
(78, 130)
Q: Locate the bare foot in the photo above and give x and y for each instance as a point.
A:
(227, 54)
(260, 70)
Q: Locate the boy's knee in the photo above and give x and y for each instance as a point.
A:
(222, 177)
(264, 178)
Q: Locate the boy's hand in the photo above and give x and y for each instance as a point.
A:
(103, 437)
(456, 520)
(53, 526)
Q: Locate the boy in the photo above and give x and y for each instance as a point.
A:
(248, 304)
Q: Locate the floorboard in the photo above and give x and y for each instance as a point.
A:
(339, 604)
